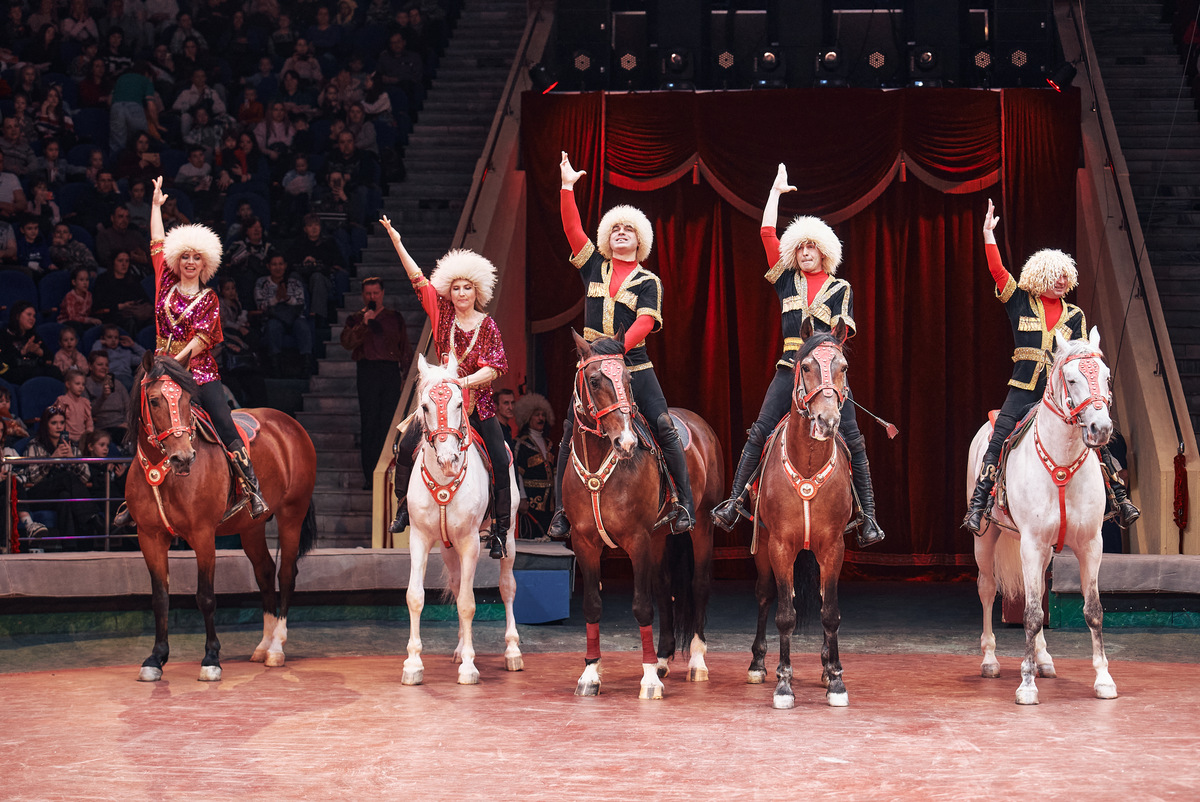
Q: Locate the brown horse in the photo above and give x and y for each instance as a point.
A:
(612, 496)
(804, 501)
(182, 490)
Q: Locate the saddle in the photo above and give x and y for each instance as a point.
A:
(1017, 435)
(247, 428)
(667, 492)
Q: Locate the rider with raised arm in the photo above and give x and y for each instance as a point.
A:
(454, 296)
(621, 295)
(1036, 311)
(803, 271)
(187, 320)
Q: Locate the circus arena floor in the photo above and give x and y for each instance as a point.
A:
(335, 722)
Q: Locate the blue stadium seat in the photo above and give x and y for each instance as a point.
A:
(15, 406)
(83, 235)
(67, 196)
(15, 286)
(147, 337)
(37, 394)
(262, 209)
(91, 125)
(185, 204)
(81, 155)
(49, 332)
(52, 288)
(148, 286)
(172, 159)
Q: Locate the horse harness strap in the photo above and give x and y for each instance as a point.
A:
(157, 472)
(806, 488)
(1096, 397)
(443, 494)
(1061, 475)
(594, 482)
(613, 368)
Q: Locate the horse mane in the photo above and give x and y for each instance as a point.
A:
(161, 366)
(608, 346)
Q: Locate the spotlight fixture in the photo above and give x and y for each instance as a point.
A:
(1062, 77)
(542, 78)
(925, 60)
(769, 72)
(677, 71)
(829, 62)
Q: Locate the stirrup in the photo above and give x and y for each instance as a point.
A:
(870, 533)
(730, 508)
(122, 516)
(682, 521)
(1127, 513)
(559, 526)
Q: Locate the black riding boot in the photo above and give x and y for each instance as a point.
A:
(559, 526)
(869, 532)
(402, 474)
(726, 514)
(245, 469)
(1127, 513)
(981, 499)
(498, 541)
(684, 517)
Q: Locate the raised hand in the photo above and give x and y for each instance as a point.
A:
(158, 198)
(990, 220)
(569, 174)
(387, 226)
(781, 184)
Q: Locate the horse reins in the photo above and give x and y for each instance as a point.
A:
(612, 366)
(157, 472)
(443, 494)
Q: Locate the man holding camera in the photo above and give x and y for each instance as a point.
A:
(378, 343)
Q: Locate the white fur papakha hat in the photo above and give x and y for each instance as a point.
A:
(811, 229)
(195, 237)
(629, 215)
(1042, 270)
(465, 264)
(525, 407)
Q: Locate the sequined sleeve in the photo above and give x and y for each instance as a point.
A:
(491, 347)
(207, 319)
(159, 263)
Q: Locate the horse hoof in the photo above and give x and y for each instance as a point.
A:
(664, 670)
(782, 702)
(1027, 696)
(756, 676)
(149, 674)
(469, 678)
(698, 675)
(650, 692)
(587, 689)
(210, 674)
(1046, 671)
(838, 699)
(275, 659)
(514, 663)
(259, 656)
(1106, 691)
(989, 670)
(412, 676)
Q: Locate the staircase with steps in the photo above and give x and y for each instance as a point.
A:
(1156, 120)
(442, 152)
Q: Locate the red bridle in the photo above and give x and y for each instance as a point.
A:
(156, 472)
(1098, 398)
(440, 394)
(612, 366)
(823, 355)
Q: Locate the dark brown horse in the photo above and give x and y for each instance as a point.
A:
(612, 497)
(180, 486)
(804, 501)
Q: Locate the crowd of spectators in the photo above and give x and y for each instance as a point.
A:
(280, 125)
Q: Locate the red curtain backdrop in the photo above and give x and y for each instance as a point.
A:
(903, 176)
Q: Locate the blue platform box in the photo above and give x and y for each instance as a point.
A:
(542, 596)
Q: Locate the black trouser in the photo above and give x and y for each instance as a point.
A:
(493, 442)
(379, 386)
(1016, 405)
(212, 398)
(778, 401)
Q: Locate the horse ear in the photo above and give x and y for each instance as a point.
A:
(1094, 337)
(581, 345)
(1060, 342)
(841, 332)
(147, 360)
(806, 328)
(450, 363)
(422, 366)
(619, 336)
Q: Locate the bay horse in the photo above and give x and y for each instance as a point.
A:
(804, 501)
(1055, 497)
(612, 495)
(447, 501)
(180, 487)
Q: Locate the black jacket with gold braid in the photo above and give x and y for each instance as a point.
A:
(1034, 351)
(834, 301)
(640, 294)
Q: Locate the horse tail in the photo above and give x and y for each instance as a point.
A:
(1006, 567)
(308, 531)
(806, 582)
(681, 564)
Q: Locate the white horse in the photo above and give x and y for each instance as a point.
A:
(447, 501)
(1051, 471)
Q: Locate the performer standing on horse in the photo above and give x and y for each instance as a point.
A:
(454, 296)
(621, 296)
(187, 321)
(803, 269)
(1035, 312)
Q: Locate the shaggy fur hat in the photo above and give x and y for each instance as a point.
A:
(816, 231)
(526, 405)
(630, 216)
(194, 237)
(1043, 270)
(465, 264)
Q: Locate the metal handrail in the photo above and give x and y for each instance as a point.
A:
(107, 499)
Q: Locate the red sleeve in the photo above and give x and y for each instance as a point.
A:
(572, 226)
(638, 331)
(429, 299)
(996, 266)
(156, 259)
(770, 244)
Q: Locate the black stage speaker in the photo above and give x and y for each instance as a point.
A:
(738, 38)
(632, 67)
(871, 45)
(680, 29)
(933, 55)
(583, 41)
(797, 29)
(1022, 42)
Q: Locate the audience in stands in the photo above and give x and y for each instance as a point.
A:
(76, 307)
(75, 404)
(23, 354)
(61, 480)
(124, 355)
(110, 399)
(280, 297)
(68, 356)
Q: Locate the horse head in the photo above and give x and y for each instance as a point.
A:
(166, 390)
(1079, 387)
(444, 414)
(603, 399)
(820, 379)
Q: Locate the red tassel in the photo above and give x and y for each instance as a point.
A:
(1181, 496)
(903, 171)
(696, 174)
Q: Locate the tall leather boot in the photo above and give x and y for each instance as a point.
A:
(402, 475)
(726, 514)
(684, 514)
(981, 499)
(245, 470)
(498, 540)
(559, 526)
(1127, 513)
(869, 532)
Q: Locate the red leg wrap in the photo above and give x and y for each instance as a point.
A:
(593, 642)
(648, 653)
